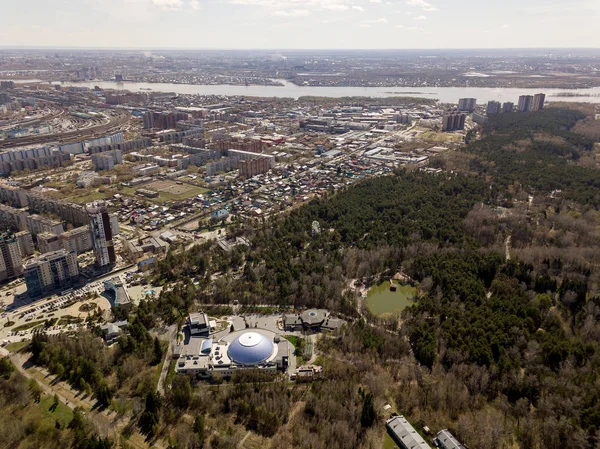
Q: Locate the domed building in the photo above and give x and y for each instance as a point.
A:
(245, 349)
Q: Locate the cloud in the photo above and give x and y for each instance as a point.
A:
(195, 4)
(292, 13)
(168, 4)
(374, 1)
(505, 26)
(380, 20)
(421, 18)
(364, 25)
(358, 8)
(336, 7)
(425, 6)
(415, 29)
(331, 5)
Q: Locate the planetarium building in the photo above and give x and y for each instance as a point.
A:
(246, 349)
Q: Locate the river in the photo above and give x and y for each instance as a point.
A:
(290, 90)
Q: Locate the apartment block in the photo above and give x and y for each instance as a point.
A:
(25, 241)
(50, 272)
(36, 224)
(48, 242)
(78, 240)
(11, 264)
(467, 104)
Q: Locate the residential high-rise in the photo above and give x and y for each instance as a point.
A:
(525, 103)
(538, 102)
(78, 240)
(508, 107)
(11, 264)
(493, 108)
(25, 242)
(453, 121)
(102, 235)
(467, 104)
(48, 242)
(50, 272)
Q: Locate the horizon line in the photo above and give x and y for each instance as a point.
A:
(59, 47)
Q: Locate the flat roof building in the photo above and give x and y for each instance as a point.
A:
(115, 288)
(258, 349)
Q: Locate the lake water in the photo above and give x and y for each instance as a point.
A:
(381, 300)
(290, 90)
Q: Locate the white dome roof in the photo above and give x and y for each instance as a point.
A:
(250, 348)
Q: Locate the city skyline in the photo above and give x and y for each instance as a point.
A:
(298, 24)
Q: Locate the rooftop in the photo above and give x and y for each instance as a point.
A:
(401, 430)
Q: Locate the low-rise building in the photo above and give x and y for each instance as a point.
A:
(198, 324)
(445, 440)
(117, 291)
(404, 435)
(314, 320)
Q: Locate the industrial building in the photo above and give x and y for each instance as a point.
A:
(11, 264)
(445, 440)
(258, 349)
(404, 435)
(50, 272)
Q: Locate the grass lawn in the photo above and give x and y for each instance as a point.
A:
(30, 325)
(88, 198)
(164, 196)
(68, 319)
(17, 346)
(293, 339)
(388, 443)
(62, 413)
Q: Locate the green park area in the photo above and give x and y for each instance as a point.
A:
(381, 299)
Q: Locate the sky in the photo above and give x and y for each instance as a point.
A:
(300, 24)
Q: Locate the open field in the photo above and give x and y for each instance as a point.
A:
(17, 346)
(381, 300)
(434, 136)
(167, 191)
(50, 415)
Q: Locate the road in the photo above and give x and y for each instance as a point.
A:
(171, 335)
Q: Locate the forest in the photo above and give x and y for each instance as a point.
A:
(501, 346)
